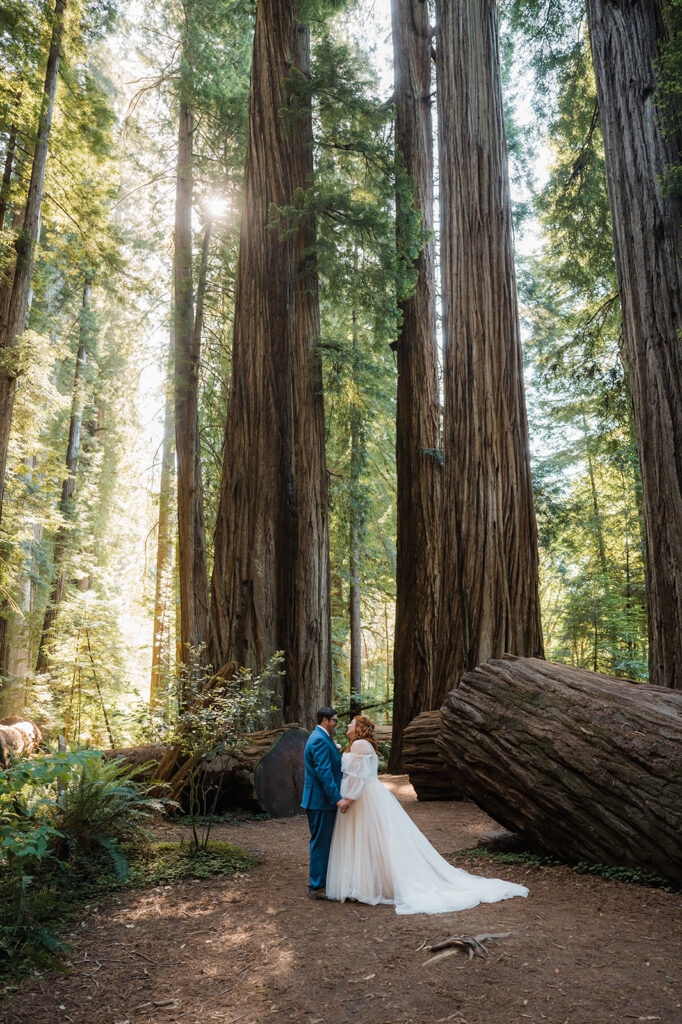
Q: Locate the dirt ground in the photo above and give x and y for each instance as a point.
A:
(254, 949)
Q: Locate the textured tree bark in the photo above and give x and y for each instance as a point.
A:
(647, 237)
(264, 774)
(19, 737)
(191, 528)
(270, 586)
(490, 565)
(355, 622)
(356, 524)
(586, 766)
(164, 550)
(69, 482)
(419, 532)
(424, 761)
(12, 329)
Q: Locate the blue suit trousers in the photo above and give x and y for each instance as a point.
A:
(321, 824)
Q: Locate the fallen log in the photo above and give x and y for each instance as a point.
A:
(423, 760)
(585, 766)
(150, 755)
(265, 774)
(19, 737)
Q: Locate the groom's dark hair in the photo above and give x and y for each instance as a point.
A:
(323, 713)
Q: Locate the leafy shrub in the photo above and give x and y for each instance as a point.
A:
(103, 811)
(215, 723)
(384, 754)
(59, 816)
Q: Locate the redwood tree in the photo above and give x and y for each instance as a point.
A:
(187, 329)
(490, 565)
(418, 470)
(68, 484)
(270, 586)
(647, 239)
(164, 548)
(13, 325)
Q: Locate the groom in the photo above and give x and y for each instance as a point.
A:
(321, 796)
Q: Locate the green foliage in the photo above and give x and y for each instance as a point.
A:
(612, 873)
(669, 97)
(33, 922)
(585, 467)
(169, 862)
(102, 811)
(362, 276)
(212, 722)
(61, 817)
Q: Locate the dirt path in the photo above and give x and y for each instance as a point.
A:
(255, 949)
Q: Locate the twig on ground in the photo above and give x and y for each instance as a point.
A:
(471, 944)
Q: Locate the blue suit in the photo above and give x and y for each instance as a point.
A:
(321, 791)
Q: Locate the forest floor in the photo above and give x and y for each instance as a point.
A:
(254, 949)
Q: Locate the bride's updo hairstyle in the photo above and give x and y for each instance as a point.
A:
(364, 730)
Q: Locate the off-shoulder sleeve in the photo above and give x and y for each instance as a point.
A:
(356, 769)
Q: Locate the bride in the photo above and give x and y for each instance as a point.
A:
(378, 855)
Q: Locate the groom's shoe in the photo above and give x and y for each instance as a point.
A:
(317, 894)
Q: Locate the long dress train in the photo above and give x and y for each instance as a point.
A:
(378, 855)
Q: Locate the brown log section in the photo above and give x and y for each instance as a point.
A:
(265, 774)
(424, 762)
(18, 738)
(150, 755)
(586, 766)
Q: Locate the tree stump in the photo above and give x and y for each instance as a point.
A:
(424, 762)
(18, 738)
(585, 766)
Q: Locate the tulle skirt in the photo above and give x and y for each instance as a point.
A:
(378, 855)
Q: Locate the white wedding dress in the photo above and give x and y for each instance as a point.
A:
(378, 855)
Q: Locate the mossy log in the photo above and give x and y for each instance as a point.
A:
(19, 737)
(585, 766)
(424, 762)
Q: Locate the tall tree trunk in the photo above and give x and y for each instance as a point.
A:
(15, 632)
(490, 567)
(25, 248)
(647, 241)
(419, 533)
(7, 174)
(354, 614)
(191, 528)
(355, 531)
(69, 482)
(164, 549)
(270, 587)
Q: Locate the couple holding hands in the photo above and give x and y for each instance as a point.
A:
(364, 846)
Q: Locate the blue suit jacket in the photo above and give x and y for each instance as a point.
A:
(321, 788)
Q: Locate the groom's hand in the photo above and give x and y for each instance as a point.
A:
(343, 804)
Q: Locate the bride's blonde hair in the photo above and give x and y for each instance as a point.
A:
(364, 730)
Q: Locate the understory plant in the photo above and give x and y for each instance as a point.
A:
(213, 723)
(62, 817)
